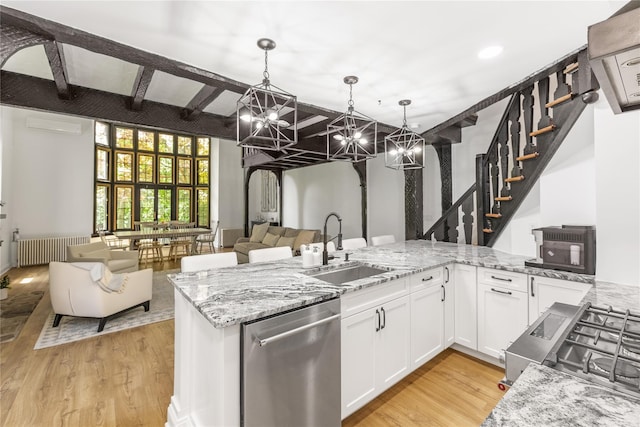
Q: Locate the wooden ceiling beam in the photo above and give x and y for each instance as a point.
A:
(140, 86)
(58, 65)
(24, 91)
(200, 101)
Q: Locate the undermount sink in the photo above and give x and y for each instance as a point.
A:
(344, 275)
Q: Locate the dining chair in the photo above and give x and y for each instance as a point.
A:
(182, 243)
(383, 240)
(208, 239)
(270, 254)
(112, 241)
(148, 249)
(355, 243)
(208, 261)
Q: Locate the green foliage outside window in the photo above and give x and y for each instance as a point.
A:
(102, 133)
(184, 171)
(124, 167)
(145, 168)
(203, 172)
(184, 145)
(146, 140)
(102, 164)
(184, 204)
(147, 204)
(164, 205)
(203, 147)
(124, 206)
(203, 207)
(165, 144)
(124, 138)
(166, 170)
(102, 199)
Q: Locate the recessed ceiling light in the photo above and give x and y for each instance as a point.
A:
(490, 52)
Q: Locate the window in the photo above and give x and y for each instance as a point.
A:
(146, 175)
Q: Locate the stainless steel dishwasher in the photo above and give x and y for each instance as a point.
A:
(291, 368)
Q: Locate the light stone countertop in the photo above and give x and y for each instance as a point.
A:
(232, 295)
(543, 396)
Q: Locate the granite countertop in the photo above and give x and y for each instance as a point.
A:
(543, 396)
(232, 295)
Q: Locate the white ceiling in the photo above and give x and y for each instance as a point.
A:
(422, 50)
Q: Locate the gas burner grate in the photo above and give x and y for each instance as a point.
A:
(604, 345)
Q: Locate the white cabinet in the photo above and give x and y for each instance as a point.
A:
(502, 309)
(448, 296)
(375, 343)
(544, 291)
(466, 313)
(427, 323)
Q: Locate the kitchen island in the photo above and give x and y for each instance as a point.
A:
(210, 306)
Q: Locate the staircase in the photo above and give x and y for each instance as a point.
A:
(519, 151)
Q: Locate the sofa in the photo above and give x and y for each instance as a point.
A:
(269, 236)
(116, 261)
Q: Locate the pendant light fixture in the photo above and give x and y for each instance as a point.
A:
(266, 115)
(352, 136)
(404, 149)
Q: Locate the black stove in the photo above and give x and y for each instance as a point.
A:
(603, 346)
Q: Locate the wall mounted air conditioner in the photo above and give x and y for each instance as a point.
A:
(614, 55)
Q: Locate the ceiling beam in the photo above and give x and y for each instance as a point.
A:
(24, 91)
(140, 86)
(200, 101)
(58, 65)
(14, 39)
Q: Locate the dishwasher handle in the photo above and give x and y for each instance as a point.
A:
(294, 331)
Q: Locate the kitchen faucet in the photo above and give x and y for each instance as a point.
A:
(325, 254)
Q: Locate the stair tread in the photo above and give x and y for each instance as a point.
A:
(493, 215)
(487, 230)
(504, 199)
(514, 178)
(528, 156)
(543, 130)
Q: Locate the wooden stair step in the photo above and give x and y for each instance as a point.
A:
(560, 100)
(543, 130)
(493, 215)
(528, 156)
(571, 68)
(514, 178)
(487, 230)
(503, 199)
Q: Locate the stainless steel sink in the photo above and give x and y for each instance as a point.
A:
(343, 275)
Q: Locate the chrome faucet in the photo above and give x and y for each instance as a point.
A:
(325, 254)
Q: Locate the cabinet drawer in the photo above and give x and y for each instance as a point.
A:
(363, 299)
(503, 279)
(425, 279)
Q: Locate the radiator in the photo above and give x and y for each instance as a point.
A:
(42, 250)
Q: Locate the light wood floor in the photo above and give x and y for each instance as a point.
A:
(126, 379)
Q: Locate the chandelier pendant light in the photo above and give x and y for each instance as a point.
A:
(352, 136)
(404, 149)
(266, 115)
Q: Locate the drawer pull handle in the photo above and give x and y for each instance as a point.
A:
(532, 294)
(426, 279)
(501, 278)
(378, 314)
(501, 292)
(444, 293)
(384, 318)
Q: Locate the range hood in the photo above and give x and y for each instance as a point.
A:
(614, 56)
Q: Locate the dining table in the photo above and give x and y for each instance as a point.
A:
(160, 234)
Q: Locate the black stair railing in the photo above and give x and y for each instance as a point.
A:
(518, 153)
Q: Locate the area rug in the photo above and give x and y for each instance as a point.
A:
(14, 312)
(78, 328)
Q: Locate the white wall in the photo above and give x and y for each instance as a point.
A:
(6, 167)
(231, 185)
(385, 207)
(311, 193)
(617, 163)
(52, 177)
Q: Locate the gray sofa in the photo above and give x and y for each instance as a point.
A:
(116, 261)
(266, 236)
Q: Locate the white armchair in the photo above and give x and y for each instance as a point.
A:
(74, 292)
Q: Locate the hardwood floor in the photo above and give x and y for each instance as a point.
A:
(126, 379)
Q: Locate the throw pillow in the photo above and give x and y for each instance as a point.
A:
(304, 237)
(258, 232)
(291, 232)
(102, 253)
(270, 239)
(286, 241)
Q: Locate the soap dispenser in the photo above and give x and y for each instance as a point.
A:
(307, 256)
(317, 257)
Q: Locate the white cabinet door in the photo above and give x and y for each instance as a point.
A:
(358, 357)
(448, 295)
(393, 344)
(502, 317)
(466, 323)
(544, 291)
(427, 325)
